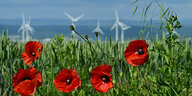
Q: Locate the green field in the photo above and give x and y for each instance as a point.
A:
(161, 75)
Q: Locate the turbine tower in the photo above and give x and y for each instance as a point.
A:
(73, 20)
(98, 29)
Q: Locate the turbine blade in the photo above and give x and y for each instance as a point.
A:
(95, 30)
(69, 16)
(23, 17)
(101, 31)
(76, 19)
(20, 28)
(116, 15)
(113, 27)
(127, 27)
(122, 24)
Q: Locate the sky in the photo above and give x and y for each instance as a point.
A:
(92, 9)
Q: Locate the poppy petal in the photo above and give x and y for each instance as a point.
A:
(131, 55)
(32, 72)
(97, 76)
(28, 60)
(27, 81)
(33, 46)
(18, 77)
(62, 86)
(106, 68)
(65, 74)
(26, 87)
(104, 87)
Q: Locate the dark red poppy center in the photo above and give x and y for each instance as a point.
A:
(140, 51)
(26, 78)
(33, 54)
(68, 81)
(105, 79)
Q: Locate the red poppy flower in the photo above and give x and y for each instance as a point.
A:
(101, 78)
(67, 80)
(136, 52)
(32, 51)
(25, 82)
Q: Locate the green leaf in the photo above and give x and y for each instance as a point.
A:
(134, 2)
(135, 10)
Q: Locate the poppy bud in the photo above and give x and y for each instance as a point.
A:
(121, 74)
(113, 81)
(72, 28)
(86, 37)
(90, 69)
(96, 34)
(135, 75)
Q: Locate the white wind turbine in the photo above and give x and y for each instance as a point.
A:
(122, 26)
(73, 20)
(98, 29)
(25, 27)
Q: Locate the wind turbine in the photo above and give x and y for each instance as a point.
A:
(98, 29)
(73, 20)
(122, 26)
(25, 27)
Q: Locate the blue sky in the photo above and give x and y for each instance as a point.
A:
(92, 9)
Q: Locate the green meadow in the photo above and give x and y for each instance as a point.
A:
(161, 75)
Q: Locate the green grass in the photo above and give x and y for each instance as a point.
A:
(156, 77)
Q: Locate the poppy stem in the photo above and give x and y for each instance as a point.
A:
(86, 40)
(91, 47)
